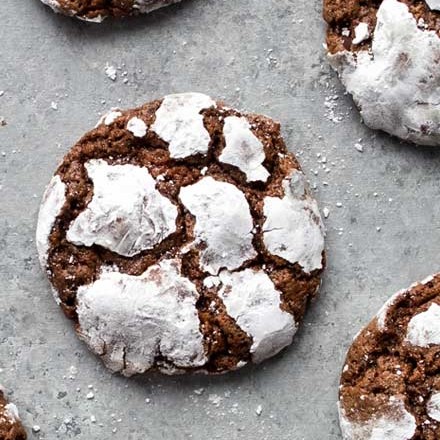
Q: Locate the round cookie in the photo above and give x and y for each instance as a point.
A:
(390, 385)
(387, 54)
(97, 10)
(181, 236)
(10, 424)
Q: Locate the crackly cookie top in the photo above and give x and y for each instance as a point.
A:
(10, 424)
(97, 10)
(181, 236)
(387, 54)
(390, 385)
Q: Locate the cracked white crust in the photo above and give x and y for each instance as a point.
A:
(251, 298)
(243, 149)
(223, 224)
(127, 214)
(398, 425)
(396, 85)
(139, 6)
(179, 122)
(137, 127)
(129, 320)
(293, 229)
(51, 205)
(424, 329)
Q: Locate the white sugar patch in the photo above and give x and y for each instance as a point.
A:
(243, 149)
(251, 298)
(127, 213)
(434, 5)
(223, 223)
(293, 229)
(179, 122)
(129, 320)
(11, 411)
(433, 407)
(405, 103)
(399, 425)
(424, 328)
(53, 201)
(109, 117)
(137, 126)
(361, 33)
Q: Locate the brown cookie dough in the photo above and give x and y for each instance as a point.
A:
(181, 236)
(390, 385)
(387, 55)
(10, 424)
(98, 10)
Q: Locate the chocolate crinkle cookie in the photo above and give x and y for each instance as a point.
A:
(181, 236)
(387, 54)
(10, 424)
(390, 385)
(98, 10)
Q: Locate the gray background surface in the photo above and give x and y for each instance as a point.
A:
(264, 56)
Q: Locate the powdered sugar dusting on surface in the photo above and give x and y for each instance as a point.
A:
(433, 407)
(223, 223)
(406, 103)
(127, 213)
(130, 320)
(11, 411)
(293, 229)
(179, 122)
(424, 328)
(398, 425)
(137, 126)
(433, 4)
(53, 200)
(252, 300)
(243, 149)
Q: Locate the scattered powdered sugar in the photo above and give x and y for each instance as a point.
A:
(53, 201)
(223, 223)
(293, 229)
(111, 72)
(130, 320)
(398, 425)
(424, 328)
(179, 122)
(137, 126)
(251, 298)
(243, 149)
(433, 407)
(406, 103)
(127, 213)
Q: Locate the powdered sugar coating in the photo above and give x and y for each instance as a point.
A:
(223, 224)
(361, 32)
(11, 411)
(396, 85)
(137, 127)
(433, 407)
(433, 4)
(252, 300)
(399, 424)
(243, 149)
(127, 213)
(53, 200)
(424, 328)
(130, 321)
(293, 229)
(179, 122)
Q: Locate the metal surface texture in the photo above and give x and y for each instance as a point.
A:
(382, 228)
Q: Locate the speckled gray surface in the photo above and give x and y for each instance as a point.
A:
(257, 55)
